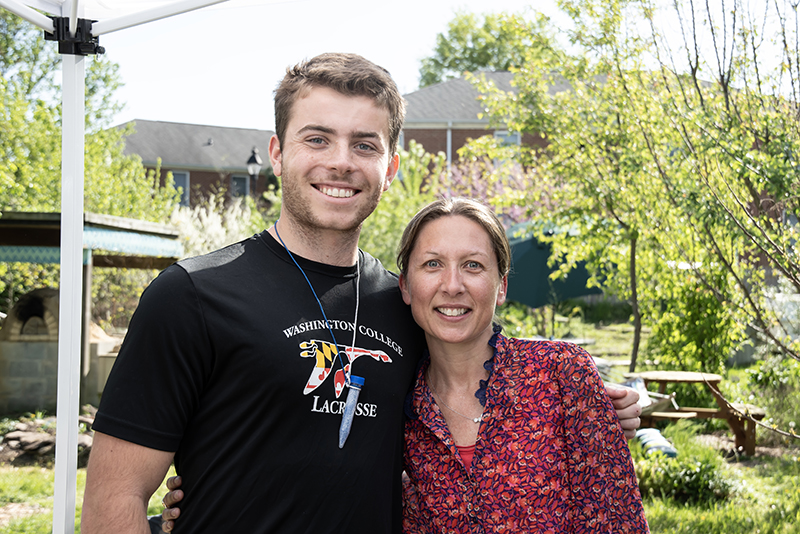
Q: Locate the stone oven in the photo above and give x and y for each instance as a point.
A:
(29, 354)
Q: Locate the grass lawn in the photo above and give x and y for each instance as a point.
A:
(27, 493)
(767, 502)
(612, 341)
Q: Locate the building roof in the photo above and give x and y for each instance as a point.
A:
(456, 101)
(195, 146)
(453, 101)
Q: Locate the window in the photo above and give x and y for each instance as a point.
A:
(240, 186)
(507, 138)
(181, 179)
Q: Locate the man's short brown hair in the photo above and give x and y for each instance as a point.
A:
(348, 74)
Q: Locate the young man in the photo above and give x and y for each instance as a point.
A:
(237, 364)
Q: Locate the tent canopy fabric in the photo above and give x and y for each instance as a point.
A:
(99, 9)
(103, 16)
(529, 282)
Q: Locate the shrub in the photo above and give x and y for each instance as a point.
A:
(774, 384)
(604, 309)
(766, 501)
(695, 328)
(695, 476)
(775, 373)
(682, 479)
(216, 222)
(115, 295)
(520, 321)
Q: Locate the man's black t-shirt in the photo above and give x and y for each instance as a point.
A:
(228, 361)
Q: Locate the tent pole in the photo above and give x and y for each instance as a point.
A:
(70, 293)
(32, 16)
(149, 15)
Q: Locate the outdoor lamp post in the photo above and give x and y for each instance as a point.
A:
(253, 168)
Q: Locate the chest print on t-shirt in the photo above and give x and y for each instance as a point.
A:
(325, 354)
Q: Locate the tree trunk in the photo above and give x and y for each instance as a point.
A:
(637, 317)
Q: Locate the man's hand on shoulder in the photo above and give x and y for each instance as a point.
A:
(628, 411)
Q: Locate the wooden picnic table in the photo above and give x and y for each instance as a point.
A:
(744, 429)
(662, 378)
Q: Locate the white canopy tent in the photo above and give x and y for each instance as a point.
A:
(76, 25)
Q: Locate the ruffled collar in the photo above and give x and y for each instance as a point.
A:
(480, 394)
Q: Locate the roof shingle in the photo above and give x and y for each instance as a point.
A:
(194, 146)
(455, 100)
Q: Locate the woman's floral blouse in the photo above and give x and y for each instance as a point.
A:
(550, 455)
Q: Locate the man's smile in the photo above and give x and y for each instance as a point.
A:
(337, 192)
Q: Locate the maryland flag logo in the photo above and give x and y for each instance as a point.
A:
(326, 356)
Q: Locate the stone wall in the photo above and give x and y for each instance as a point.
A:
(28, 376)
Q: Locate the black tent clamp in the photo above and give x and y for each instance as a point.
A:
(81, 44)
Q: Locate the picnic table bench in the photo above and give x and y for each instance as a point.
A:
(744, 429)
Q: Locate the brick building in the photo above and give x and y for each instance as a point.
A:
(202, 158)
(443, 117)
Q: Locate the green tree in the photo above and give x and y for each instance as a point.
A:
(495, 41)
(30, 124)
(723, 146)
(674, 164)
(589, 177)
(30, 146)
(25, 56)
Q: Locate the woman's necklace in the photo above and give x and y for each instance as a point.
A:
(353, 382)
(473, 419)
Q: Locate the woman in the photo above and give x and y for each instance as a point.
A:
(502, 435)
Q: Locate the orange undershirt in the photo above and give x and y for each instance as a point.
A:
(466, 454)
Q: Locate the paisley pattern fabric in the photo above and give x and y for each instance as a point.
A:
(550, 456)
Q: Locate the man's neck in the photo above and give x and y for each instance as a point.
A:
(332, 247)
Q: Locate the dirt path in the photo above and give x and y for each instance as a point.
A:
(16, 510)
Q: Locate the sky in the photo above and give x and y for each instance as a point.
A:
(218, 66)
